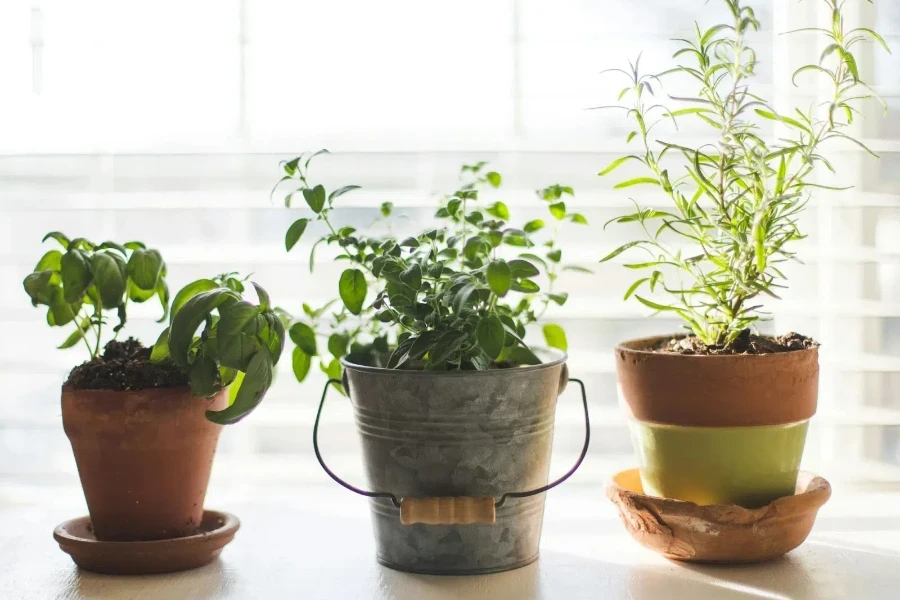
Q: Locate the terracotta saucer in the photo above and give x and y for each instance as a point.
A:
(717, 533)
(76, 538)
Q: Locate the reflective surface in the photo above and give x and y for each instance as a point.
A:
(315, 543)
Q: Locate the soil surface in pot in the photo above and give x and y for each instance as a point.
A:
(124, 366)
(745, 343)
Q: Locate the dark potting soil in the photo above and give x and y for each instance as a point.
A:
(125, 366)
(745, 343)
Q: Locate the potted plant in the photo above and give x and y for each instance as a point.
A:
(144, 423)
(455, 410)
(720, 414)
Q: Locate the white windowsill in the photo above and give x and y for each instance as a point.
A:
(317, 544)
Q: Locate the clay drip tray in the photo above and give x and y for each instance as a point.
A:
(76, 538)
(718, 533)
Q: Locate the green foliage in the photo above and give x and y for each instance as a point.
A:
(238, 340)
(239, 345)
(736, 202)
(457, 296)
(84, 283)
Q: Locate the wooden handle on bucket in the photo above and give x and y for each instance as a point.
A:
(461, 510)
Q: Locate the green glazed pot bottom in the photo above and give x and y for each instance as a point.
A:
(747, 466)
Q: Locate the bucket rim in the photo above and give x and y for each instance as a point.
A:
(554, 358)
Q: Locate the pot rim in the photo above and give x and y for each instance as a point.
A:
(640, 345)
(556, 357)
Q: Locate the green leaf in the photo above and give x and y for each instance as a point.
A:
(59, 237)
(304, 338)
(401, 353)
(63, 312)
(144, 268)
(160, 351)
(341, 191)
(189, 291)
(114, 246)
(463, 297)
(263, 296)
(75, 274)
(110, 277)
(555, 255)
(636, 181)
(237, 329)
(494, 178)
(531, 257)
(526, 286)
(491, 336)
(558, 210)
(522, 269)
(386, 208)
(446, 346)
(634, 286)
(532, 226)
(620, 250)
(203, 377)
(257, 379)
(134, 245)
(294, 232)
(337, 344)
(51, 261)
(773, 117)
(560, 298)
(875, 36)
(312, 254)
(498, 276)
(617, 163)
(38, 286)
(352, 288)
(315, 198)
(521, 355)
(654, 305)
(412, 276)
(332, 370)
(577, 269)
(423, 343)
(162, 292)
(578, 218)
(499, 210)
(555, 336)
(189, 317)
(301, 363)
(77, 335)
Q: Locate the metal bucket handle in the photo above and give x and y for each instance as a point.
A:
(454, 510)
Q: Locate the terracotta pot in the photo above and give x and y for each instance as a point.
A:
(144, 458)
(717, 429)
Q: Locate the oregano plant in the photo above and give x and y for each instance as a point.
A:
(457, 296)
(735, 201)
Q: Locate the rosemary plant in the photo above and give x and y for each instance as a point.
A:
(735, 201)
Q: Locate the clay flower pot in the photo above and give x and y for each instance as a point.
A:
(727, 429)
(719, 533)
(144, 458)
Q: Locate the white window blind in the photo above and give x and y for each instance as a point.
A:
(165, 122)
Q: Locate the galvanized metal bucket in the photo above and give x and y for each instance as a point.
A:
(467, 453)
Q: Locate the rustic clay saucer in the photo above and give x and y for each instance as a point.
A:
(717, 533)
(76, 537)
